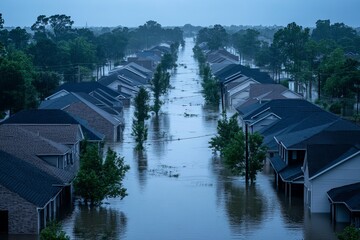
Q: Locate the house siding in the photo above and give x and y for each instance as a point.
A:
(344, 174)
(94, 119)
(23, 216)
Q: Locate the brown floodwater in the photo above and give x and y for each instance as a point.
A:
(179, 190)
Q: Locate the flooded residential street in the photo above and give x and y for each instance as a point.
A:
(179, 190)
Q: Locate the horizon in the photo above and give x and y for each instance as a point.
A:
(114, 13)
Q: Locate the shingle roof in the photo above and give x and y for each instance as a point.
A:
(266, 92)
(232, 69)
(321, 157)
(54, 116)
(281, 107)
(348, 194)
(86, 87)
(277, 163)
(291, 173)
(64, 134)
(28, 146)
(27, 181)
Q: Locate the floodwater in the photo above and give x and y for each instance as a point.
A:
(179, 190)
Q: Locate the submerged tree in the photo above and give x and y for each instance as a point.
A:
(142, 108)
(226, 130)
(210, 87)
(232, 144)
(159, 86)
(98, 179)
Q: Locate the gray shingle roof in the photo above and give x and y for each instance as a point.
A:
(348, 194)
(54, 116)
(321, 157)
(27, 181)
(28, 146)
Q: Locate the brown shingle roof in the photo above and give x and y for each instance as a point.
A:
(28, 146)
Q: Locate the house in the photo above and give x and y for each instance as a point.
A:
(58, 126)
(104, 120)
(37, 174)
(235, 80)
(331, 161)
(265, 92)
(221, 56)
(47, 155)
(345, 204)
(29, 196)
(105, 97)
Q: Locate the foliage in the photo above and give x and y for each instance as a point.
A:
(234, 153)
(16, 89)
(215, 37)
(98, 179)
(139, 131)
(45, 83)
(349, 233)
(247, 42)
(141, 113)
(53, 232)
(257, 154)
(210, 87)
(226, 130)
(160, 84)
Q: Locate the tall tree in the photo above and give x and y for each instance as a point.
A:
(226, 130)
(291, 42)
(19, 37)
(247, 43)
(98, 179)
(141, 113)
(16, 89)
(160, 84)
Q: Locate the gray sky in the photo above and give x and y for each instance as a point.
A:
(132, 13)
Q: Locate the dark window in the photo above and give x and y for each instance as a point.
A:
(4, 222)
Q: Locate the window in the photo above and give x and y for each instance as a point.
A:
(294, 155)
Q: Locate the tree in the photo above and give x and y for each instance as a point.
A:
(215, 37)
(45, 83)
(290, 42)
(53, 232)
(234, 153)
(247, 43)
(160, 84)
(19, 37)
(142, 108)
(98, 179)
(226, 130)
(16, 83)
(210, 87)
(257, 155)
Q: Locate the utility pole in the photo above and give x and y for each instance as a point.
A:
(78, 74)
(246, 153)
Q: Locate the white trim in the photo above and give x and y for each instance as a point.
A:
(334, 165)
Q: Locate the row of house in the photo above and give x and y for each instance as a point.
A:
(313, 152)
(40, 148)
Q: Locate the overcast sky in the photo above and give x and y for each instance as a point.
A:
(132, 13)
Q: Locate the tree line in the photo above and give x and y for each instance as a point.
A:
(325, 58)
(33, 64)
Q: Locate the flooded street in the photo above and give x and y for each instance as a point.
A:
(179, 190)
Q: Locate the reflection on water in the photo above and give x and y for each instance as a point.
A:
(179, 190)
(141, 158)
(99, 223)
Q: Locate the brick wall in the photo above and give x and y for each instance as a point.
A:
(94, 119)
(23, 217)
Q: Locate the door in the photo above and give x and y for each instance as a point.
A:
(4, 222)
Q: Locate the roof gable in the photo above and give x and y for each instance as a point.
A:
(27, 181)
